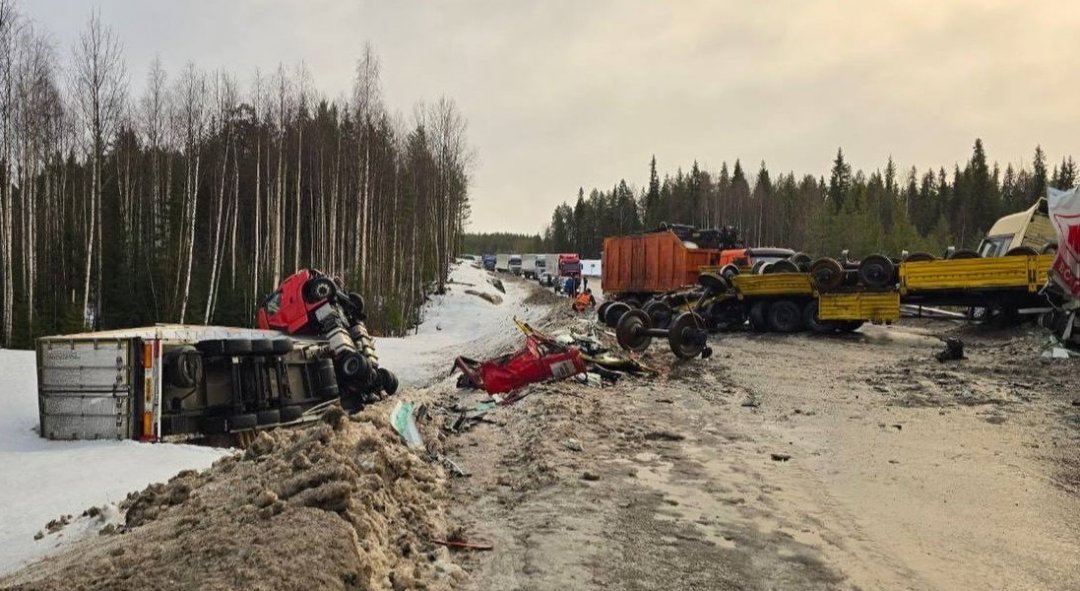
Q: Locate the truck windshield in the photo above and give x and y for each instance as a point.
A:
(273, 303)
(515, 260)
(995, 246)
(540, 264)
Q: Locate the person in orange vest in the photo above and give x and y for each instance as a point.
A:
(584, 300)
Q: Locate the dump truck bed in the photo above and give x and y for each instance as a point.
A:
(651, 263)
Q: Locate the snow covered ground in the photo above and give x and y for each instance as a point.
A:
(42, 480)
(458, 324)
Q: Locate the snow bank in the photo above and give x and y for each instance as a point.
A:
(43, 479)
(458, 323)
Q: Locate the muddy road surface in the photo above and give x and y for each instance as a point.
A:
(787, 462)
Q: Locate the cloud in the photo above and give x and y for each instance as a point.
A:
(561, 94)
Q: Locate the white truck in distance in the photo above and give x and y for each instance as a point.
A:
(528, 265)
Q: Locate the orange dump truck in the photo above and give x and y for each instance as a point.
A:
(637, 267)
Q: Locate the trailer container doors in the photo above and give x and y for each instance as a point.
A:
(86, 387)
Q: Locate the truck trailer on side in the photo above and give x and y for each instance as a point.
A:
(177, 382)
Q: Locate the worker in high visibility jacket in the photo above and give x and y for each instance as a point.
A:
(584, 300)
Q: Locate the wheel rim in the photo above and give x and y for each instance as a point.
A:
(631, 333)
(876, 271)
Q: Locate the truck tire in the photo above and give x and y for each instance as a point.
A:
(725, 316)
(262, 346)
(964, 253)
(877, 271)
(183, 367)
(758, 311)
(213, 425)
(282, 346)
(243, 421)
(268, 417)
(1021, 251)
(319, 289)
(785, 316)
(784, 266)
(237, 346)
(352, 365)
(919, 257)
(215, 347)
(388, 381)
(291, 413)
(811, 320)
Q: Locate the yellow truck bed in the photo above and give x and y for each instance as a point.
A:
(1020, 272)
(875, 306)
(776, 284)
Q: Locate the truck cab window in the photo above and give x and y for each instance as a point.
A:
(273, 303)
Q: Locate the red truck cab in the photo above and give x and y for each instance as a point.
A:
(569, 265)
(291, 307)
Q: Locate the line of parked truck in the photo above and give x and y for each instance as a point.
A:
(545, 268)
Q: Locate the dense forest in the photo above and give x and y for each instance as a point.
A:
(883, 211)
(496, 242)
(190, 202)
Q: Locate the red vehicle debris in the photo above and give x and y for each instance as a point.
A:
(541, 359)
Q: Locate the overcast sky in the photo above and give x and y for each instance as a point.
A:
(567, 93)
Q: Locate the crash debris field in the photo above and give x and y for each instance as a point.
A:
(804, 461)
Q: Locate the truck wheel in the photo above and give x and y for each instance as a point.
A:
(919, 257)
(262, 346)
(183, 367)
(357, 301)
(212, 347)
(388, 381)
(826, 274)
(964, 253)
(268, 417)
(614, 312)
(243, 421)
(784, 266)
(785, 316)
(281, 346)
(237, 346)
(213, 425)
(353, 365)
(758, 311)
(318, 289)
(687, 336)
(725, 316)
(811, 320)
(876, 271)
(632, 331)
(1021, 251)
(659, 313)
(801, 260)
(291, 413)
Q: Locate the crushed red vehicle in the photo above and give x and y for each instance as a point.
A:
(310, 302)
(540, 360)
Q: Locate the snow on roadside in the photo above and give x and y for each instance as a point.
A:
(458, 323)
(43, 479)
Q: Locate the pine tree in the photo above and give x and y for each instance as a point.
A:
(839, 181)
(1039, 181)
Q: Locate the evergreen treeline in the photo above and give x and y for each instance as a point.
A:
(191, 202)
(501, 242)
(884, 211)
